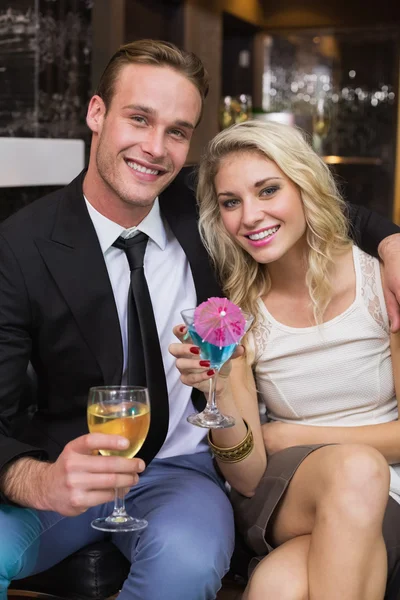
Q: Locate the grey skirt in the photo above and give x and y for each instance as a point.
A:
(253, 515)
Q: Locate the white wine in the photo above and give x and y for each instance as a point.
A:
(129, 419)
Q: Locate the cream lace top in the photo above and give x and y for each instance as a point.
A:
(335, 374)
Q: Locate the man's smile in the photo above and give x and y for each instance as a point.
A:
(144, 171)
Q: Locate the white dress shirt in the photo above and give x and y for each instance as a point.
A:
(171, 288)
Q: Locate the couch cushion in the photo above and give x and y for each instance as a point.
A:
(93, 573)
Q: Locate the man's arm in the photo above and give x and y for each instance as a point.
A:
(12, 482)
(15, 348)
(389, 253)
(380, 237)
(76, 481)
(369, 229)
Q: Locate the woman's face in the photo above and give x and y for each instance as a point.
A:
(260, 207)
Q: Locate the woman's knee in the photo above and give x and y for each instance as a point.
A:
(282, 574)
(273, 586)
(356, 479)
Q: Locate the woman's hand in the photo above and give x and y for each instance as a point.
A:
(196, 372)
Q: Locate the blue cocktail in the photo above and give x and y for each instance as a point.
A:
(217, 354)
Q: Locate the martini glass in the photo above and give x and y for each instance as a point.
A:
(217, 354)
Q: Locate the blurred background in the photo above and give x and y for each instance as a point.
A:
(331, 68)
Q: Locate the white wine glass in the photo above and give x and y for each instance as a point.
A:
(125, 411)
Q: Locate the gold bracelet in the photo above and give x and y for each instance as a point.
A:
(235, 453)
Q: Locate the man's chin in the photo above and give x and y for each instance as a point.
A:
(146, 193)
(140, 202)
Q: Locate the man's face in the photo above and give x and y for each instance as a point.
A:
(140, 144)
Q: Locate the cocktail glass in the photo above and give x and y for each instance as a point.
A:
(218, 355)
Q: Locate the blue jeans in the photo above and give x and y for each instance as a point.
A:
(182, 554)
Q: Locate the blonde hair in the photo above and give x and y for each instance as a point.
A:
(243, 279)
(158, 53)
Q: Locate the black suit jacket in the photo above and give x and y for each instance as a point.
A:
(57, 310)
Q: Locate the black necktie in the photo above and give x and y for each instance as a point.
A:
(145, 365)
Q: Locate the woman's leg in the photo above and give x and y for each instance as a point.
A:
(282, 574)
(391, 535)
(338, 495)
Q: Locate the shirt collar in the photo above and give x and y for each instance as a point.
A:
(108, 231)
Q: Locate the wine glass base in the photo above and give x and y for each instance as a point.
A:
(211, 420)
(115, 524)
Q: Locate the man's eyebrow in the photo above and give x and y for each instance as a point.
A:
(185, 124)
(142, 108)
(150, 111)
(256, 185)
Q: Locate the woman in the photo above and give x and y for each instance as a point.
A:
(310, 487)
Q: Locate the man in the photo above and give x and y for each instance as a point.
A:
(64, 291)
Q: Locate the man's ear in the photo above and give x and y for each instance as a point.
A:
(95, 114)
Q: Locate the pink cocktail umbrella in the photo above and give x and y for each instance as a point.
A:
(219, 321)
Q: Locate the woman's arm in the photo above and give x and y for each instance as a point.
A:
(236, 396)
(384, 437)
(239, 399)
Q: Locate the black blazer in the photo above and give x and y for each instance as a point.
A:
(57, 310)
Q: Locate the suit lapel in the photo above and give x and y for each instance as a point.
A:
(76, 263)
(178, 205)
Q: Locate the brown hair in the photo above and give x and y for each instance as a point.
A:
(153, 52)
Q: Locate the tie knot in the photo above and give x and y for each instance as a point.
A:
(134, 247)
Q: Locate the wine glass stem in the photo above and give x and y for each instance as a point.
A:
(212, 401)
(119, 503)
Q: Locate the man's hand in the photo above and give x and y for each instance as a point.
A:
(77, 480)
(389, 252)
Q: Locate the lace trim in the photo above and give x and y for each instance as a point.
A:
(369, 290)
(261, 332)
